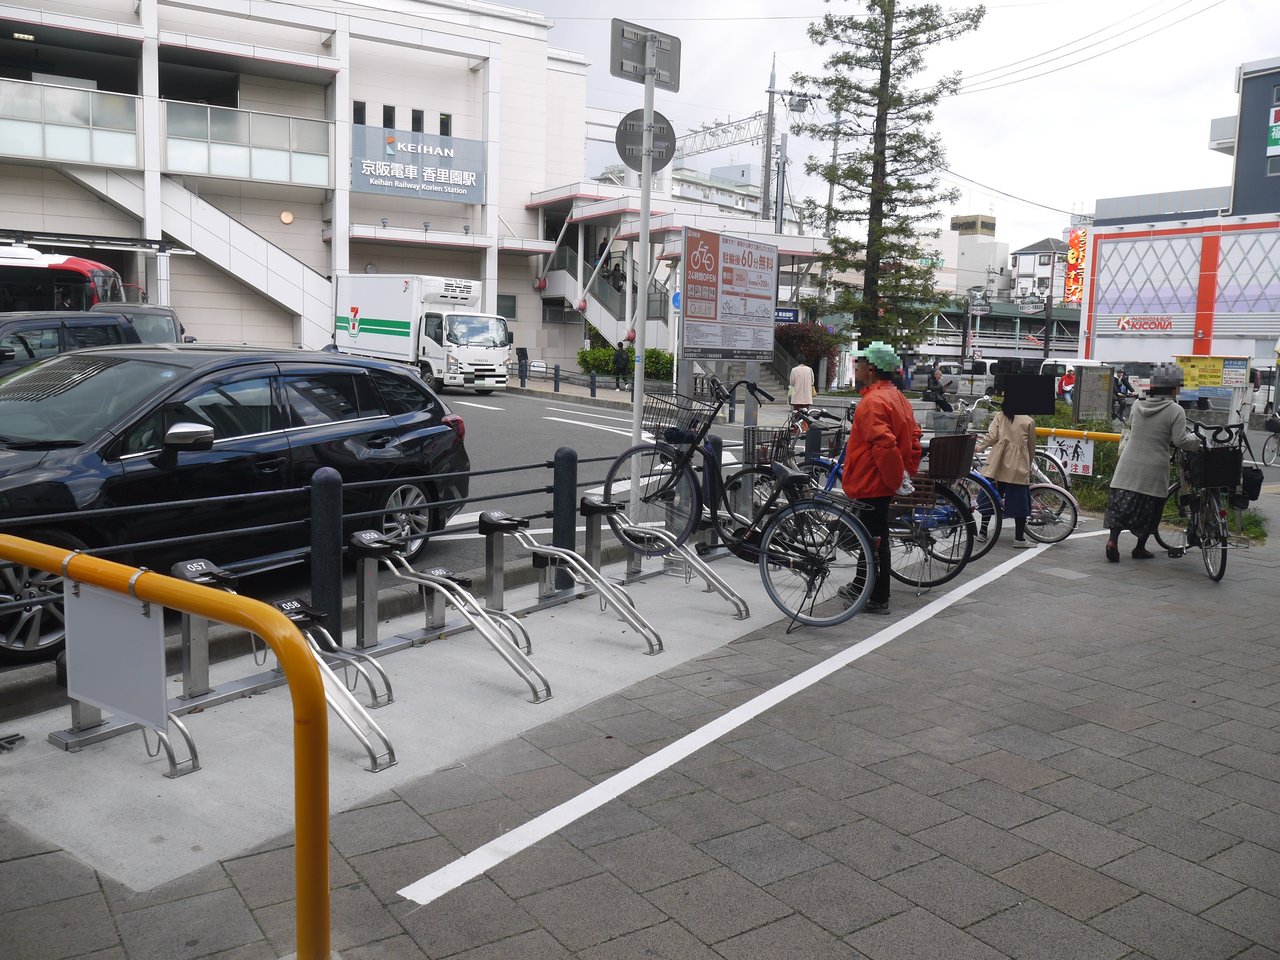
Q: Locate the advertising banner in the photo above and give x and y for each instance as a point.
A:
(420, 165)
(1074, 290)
(730, 293)
(1212, 376)
(1273, 133)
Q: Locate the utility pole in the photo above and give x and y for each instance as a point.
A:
(766, 163)
(780, 211)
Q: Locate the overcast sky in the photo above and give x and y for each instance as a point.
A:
(1066, 101)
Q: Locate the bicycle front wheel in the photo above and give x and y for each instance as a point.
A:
(984, 503)
(658, 492)
(1053, 514)
(930, 539)
(1171, 533)
(1270, 449)
(1213, 535)
(817, 563)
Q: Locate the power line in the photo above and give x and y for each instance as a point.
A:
(1011, 196)
(1100, 53)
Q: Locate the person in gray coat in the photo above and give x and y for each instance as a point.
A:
(1141, 481)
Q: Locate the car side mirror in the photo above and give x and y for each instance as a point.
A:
(7, 354)
(188, 436)
(188, 338)
(511, 338)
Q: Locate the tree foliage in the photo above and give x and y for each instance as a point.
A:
(884, 163)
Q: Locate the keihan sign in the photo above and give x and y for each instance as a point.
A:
(404, 164)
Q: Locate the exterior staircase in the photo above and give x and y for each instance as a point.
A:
(227, 244)
(606, 307)
(766, 378)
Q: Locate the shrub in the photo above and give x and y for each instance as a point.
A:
(599, 360)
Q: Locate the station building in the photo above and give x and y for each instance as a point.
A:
(1196, 272)
(231, 158)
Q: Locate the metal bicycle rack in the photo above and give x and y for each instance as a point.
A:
(357, 666)
(341, 701)
(503, 632)
(496, 523)
(681, 553)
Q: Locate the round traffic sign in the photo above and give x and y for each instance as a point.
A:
(629, 140)
(675, 300)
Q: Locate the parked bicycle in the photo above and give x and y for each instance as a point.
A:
(813, 552)
(1271, 446)
(1199, 495)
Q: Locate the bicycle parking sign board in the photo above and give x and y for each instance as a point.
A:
(1076, 455)
(729, 292)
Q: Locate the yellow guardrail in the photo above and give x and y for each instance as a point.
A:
(1077, 434)
(310, 714)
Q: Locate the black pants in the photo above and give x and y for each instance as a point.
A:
(876, 519)
(618, 377)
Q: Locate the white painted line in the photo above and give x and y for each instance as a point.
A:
(466, 868)
(472, 403)
(595, 426)
(586, 413)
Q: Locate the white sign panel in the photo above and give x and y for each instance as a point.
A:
(730, 292)
(115, 654)
(1076, 455)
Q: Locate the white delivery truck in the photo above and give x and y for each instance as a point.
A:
(427, 322)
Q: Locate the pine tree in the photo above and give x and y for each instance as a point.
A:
(884, 162)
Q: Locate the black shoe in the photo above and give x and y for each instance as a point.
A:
(1142, 553)
(1113, 552)
(880, 607)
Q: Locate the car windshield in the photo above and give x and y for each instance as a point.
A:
(472, 331)
(74, 396)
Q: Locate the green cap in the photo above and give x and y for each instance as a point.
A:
(881, 356)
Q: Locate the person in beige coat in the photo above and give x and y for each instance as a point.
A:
(1012, 442)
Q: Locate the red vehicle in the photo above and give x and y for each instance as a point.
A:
(31, 280)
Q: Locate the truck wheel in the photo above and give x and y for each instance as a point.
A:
(483, 393)
(38, 631)
(437, 384)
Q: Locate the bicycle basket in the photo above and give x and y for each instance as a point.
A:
(677, 419)
(1214, 467)
(763, 445)
(951, 457)
(924, 495)
(1272, 423)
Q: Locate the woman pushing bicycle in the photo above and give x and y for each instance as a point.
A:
(882, 454)
(1141, 481)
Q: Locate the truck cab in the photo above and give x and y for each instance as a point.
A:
(469, 350)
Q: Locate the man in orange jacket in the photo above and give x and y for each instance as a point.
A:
(882, 454)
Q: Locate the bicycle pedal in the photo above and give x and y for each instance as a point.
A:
(1177, 554)
(702, 549)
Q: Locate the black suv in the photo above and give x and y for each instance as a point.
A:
(153, 424)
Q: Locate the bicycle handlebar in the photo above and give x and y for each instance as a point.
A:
(1220, 434)
(724, 394)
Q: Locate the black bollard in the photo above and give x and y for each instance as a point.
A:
(326, 548)
(593, 383)
(712, 479)
(813, 444)
(564, 507)
(557, 386)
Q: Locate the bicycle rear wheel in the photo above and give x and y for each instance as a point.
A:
(1053, 469)
(817, 563)
(1053, 514)
(1171, 534)
(1213, 535)
(984, 503)
(930, 538)
(658, 491)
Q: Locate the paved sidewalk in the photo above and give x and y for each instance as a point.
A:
(1049, 758)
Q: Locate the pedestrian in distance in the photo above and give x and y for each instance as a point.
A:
(937, 390)
(1067, 384)
(882, 454)
(800, 389)
(621, 360)
(1141, 479)
(1011, 438)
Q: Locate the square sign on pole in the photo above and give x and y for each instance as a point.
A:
(627, 55)
(729, 291)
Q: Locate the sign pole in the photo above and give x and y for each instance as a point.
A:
(646, 270)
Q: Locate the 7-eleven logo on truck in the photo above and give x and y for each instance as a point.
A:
(353, 322)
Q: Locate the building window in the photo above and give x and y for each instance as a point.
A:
(389, 117)
(416, 125)
(1275, 94)
(446, 124)
(1273, 166)
(1044, 259)
(507, 306)
(357, 113)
